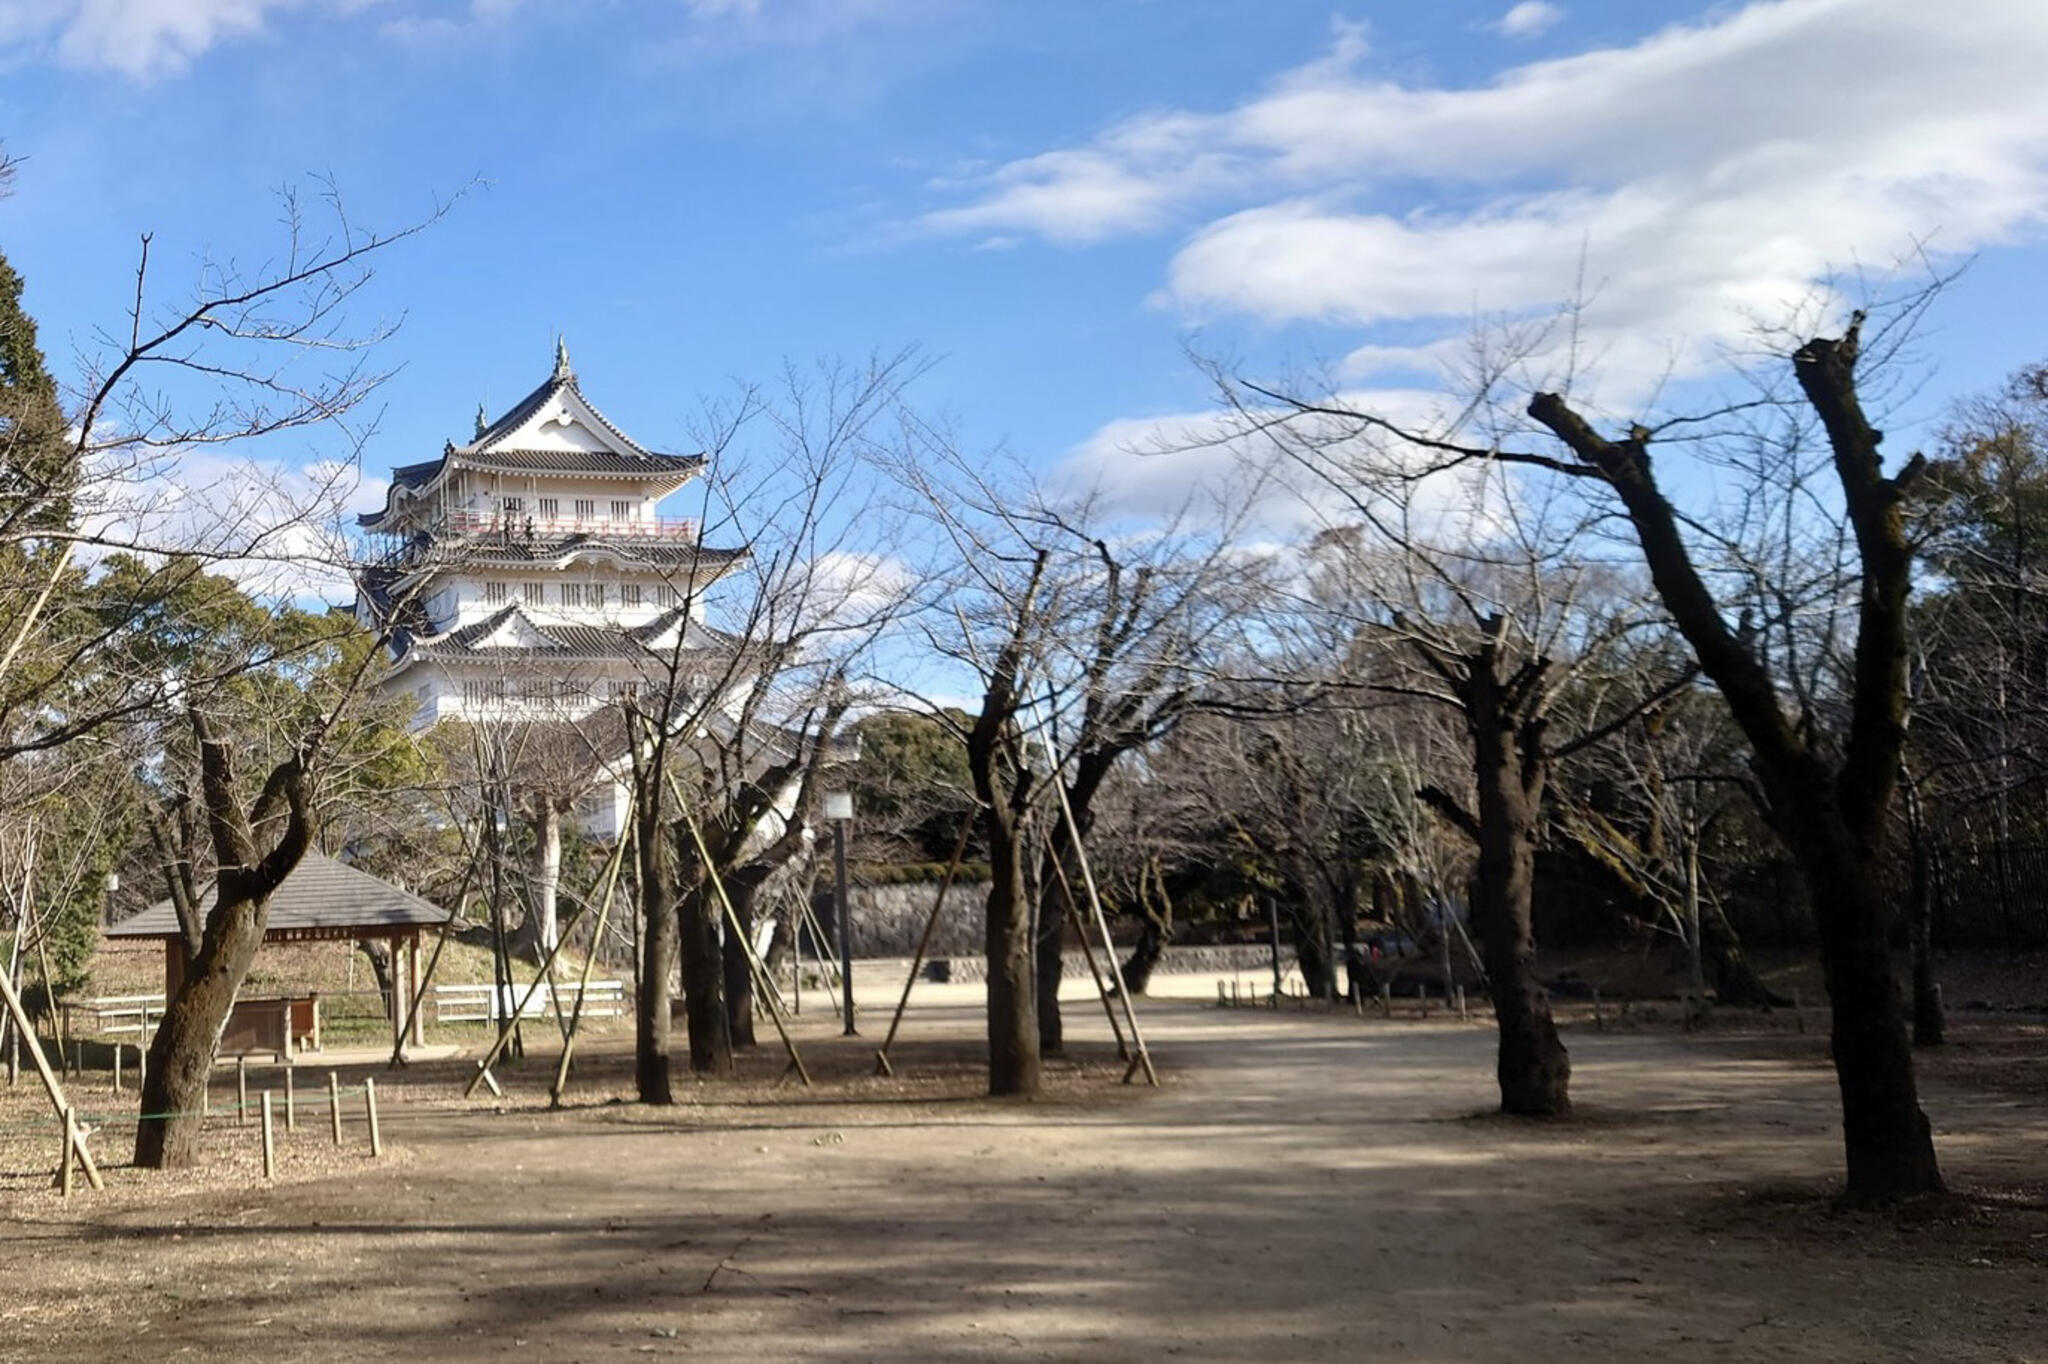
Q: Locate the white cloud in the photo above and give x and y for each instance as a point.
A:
(1684, 184)
(798, 22)
(140, 38)
(278, 529)
(146, 39)
(1530, 19)
(1204, 467)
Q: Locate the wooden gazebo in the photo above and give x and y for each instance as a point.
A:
(321, 901)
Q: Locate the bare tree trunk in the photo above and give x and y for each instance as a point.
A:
(697, 913)
(1889, 1142)
(1831, 812)
(739, 977)
(1013, 1055)
(181, 1054)
(1928, 1024)
(541, 929)
(1534, 1069)
(1156, 907)
(1054, 905)
(1312, 942)
(657, 955)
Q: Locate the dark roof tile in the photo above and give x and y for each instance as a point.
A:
(321, 893)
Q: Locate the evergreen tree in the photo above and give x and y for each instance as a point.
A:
(37, 464)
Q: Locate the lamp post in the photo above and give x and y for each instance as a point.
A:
(839, 809)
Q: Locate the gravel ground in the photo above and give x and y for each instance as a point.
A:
(1302, 1187)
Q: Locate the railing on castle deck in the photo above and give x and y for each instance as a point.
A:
(520, 526)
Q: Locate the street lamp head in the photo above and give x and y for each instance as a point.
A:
(839, 805)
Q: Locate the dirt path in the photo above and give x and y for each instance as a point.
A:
(1304, 1188)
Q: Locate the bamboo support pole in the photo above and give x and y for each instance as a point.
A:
(511, 1025)
(425, 982)
(334, 1105)
(604, 913)
(764, 986)
(241, 1091)
(828, 970)
(117, 1067)
(370, 1111)
(269, 1141)
(291, 1098)
(1116, 973)
(70, 1144)
(924, 942)
(50, 1084)
(1123, 1048)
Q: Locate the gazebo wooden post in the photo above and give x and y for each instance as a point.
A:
(399, 998)
(413, 992)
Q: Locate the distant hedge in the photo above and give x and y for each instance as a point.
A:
(916, 873)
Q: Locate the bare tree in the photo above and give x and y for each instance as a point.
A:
(735, 721)
(1812, 666)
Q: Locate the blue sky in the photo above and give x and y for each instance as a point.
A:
(1052, 198)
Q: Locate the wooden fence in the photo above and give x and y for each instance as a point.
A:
(481, 1004)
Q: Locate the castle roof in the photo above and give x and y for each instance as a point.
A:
(552, 430)
(510, 635)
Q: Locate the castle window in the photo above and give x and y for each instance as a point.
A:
(586, 509)
(550, 508)
(533, 593)
(664, 595)
(597, 595)
(572, 594)
(512, 505)
(495, 594)
(629, 594)
(622, 511)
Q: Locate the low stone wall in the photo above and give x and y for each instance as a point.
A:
(973, 966)
(888, 919)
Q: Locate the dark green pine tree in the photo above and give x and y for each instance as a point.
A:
(38, 471)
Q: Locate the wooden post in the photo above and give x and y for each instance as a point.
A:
(70, 1143)
(334, 1104)
(117, 1067)
(291, 1098)
(1422, 997)
(370, 1108)
(419, 1032)
(241, 1091)
(269, 1141)
(1461, 1005)
(398, 1000)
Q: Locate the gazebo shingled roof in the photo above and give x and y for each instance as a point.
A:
(322, 900)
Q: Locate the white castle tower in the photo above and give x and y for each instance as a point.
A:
(528, 575)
